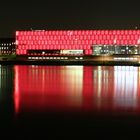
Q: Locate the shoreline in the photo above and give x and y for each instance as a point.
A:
(102, 60)
(69, 62)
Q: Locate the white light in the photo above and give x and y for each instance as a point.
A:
(115, 41)
(16, 42)
(139, 41)
(17, 33)
(135, 58)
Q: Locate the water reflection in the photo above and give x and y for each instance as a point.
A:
(126, 86)
(45, 87)
(6, 81)
(76, 88)
(6, 90)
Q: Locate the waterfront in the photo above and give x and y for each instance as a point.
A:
(80, 100)
(79, 60)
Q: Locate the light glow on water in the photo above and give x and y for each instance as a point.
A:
(126, 82)
(82, 88)
(16, 92)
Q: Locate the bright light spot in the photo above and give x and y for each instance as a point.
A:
(16, 42)
(17, 33)
(115, 41)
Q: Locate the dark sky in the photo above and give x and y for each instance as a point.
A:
(67, 14)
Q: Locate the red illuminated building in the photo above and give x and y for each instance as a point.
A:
(77, 42)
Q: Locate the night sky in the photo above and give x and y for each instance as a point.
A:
(67, 14)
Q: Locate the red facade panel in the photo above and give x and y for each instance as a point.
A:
(73, 39)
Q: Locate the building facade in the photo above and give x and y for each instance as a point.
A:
(7, 46)
(77, 42)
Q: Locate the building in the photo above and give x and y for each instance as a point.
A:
(77, 42)
(7, 46)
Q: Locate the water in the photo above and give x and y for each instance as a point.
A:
(79, 100)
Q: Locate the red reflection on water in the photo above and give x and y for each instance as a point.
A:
(41, 87)
(16, 93)
(82, 88)
(98, 88)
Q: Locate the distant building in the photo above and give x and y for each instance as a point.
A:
(7, 46)
(77, 42)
